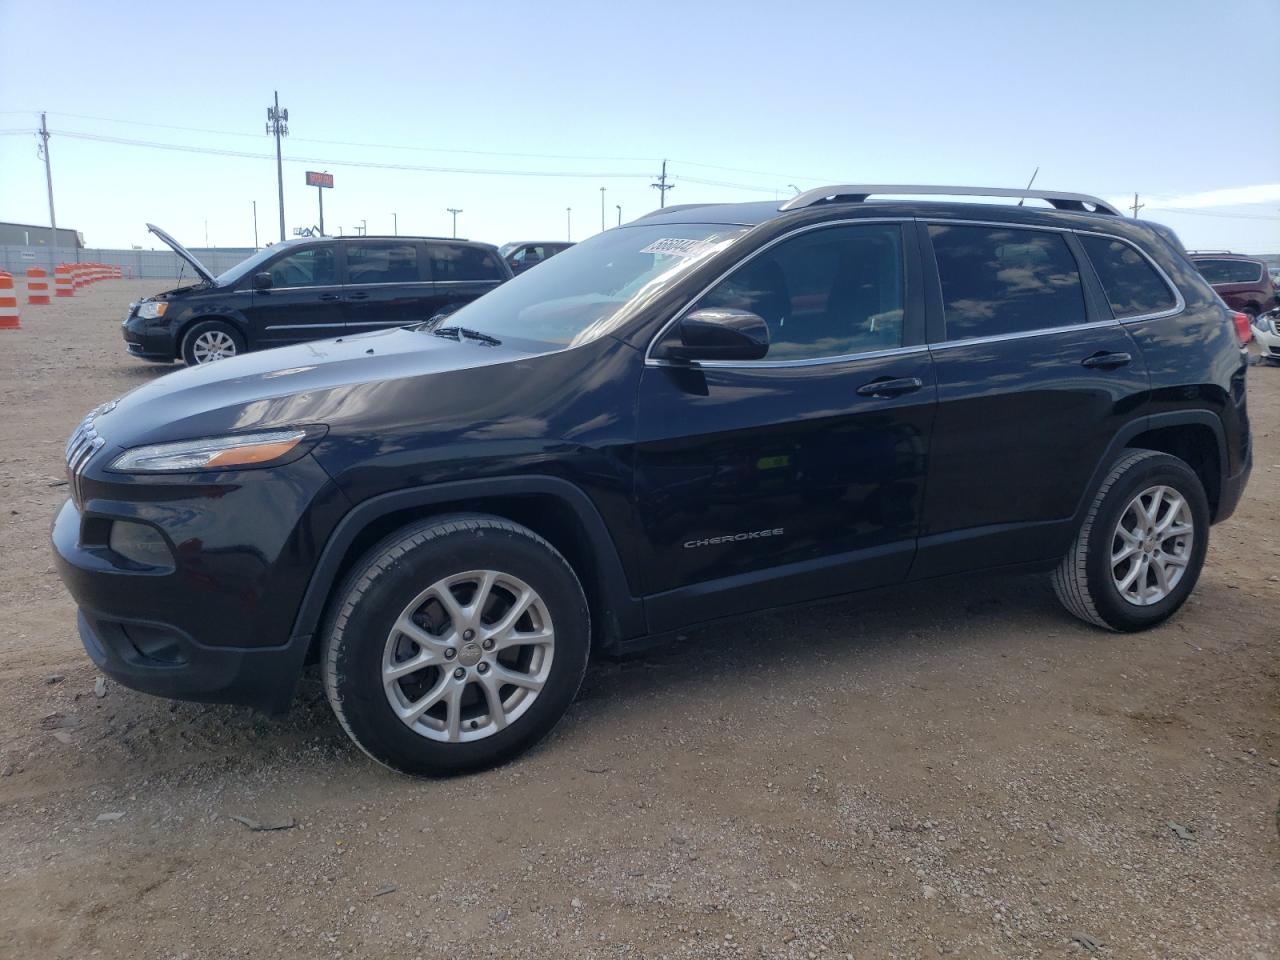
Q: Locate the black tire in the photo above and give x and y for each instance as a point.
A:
(203, 328)
(1084, 582)
(387, 579)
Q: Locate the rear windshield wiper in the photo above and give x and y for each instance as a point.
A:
(457, 333)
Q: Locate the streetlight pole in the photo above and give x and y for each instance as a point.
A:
(602, 226)
(568, 220)
(455, 211)
(255, 226)
(395, 226)
(619, 206)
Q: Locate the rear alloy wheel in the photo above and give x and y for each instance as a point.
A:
(455, 644)
(1138, 553)
(211, 340)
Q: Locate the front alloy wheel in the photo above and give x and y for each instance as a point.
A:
(455, 644)
(468, 656)
(212, 345)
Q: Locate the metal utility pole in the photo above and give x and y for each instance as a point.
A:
(48, 176)
(395, 226)
(1136, 206)
(363, 228)
(619, 206)
(278, 123)
(455, 211)
(568, 222)
(602, 224)
(662, 186)
(255, 226)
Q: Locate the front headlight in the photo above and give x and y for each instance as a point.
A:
(213, 453)
(152, 309)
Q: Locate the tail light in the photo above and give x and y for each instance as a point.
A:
(1244, 329)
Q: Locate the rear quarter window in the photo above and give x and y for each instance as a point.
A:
(1131, 283)
(464, 263)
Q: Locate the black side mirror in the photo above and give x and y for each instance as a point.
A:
(262, 281)
(719, 334)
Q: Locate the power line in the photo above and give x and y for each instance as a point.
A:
(250, 155)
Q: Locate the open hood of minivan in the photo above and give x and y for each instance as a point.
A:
(183, 252)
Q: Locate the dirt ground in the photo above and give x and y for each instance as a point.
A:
(958, 769)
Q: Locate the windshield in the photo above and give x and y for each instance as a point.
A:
(574, 296)
(245, 266)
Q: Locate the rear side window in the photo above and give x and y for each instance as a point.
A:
(1229, 271)
(1130, 281)
(826, 293)
(378, 262)
(998, 281)
(463, 263)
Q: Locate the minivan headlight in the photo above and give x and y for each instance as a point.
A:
(212, 453)
(152, 309)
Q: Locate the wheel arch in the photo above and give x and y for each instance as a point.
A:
(555, 509)
(1194, 436)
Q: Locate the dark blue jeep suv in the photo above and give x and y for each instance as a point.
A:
(712, 410)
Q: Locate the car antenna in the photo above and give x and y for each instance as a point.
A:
(1029, 183)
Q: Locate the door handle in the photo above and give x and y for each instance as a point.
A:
(357, 296)
(890, 388)
(329, 296)
(1106, 361)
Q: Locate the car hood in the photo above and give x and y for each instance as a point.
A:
(183, 252)
(323, 381)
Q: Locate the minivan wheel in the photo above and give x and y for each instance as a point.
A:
(1139, 551)
(455, 644)
(211, 340)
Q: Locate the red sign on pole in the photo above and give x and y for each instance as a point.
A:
(315, 179)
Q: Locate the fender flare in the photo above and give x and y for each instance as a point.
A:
(623, 613)
(1155, 421)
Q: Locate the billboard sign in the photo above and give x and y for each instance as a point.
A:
(316, 179)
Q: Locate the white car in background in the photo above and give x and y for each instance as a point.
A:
(1266, 331)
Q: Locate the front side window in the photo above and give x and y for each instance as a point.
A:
(1229, 271)
(312, 267)
(1130, 282)
(826, 293)
(463, 263)
(379, 262)
(998, 281)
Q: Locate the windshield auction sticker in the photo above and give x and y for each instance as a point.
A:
(676, 247)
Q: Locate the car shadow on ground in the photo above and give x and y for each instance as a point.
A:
(126, 734)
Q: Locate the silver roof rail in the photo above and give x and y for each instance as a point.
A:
(856, 193)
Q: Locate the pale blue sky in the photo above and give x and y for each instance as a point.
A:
(1106, 97)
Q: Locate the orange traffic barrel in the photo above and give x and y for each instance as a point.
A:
(37, 286)
(8, 304)
(63, 281)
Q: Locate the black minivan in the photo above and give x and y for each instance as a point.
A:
(309, 289)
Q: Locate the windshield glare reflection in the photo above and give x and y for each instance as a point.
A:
(584, 292)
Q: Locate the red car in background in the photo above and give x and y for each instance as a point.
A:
(1243, 282)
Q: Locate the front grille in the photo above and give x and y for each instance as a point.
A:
(84, 443)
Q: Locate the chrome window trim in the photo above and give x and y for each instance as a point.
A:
(305, 286)
(775, 364)
(445, 283)
(652, 361)
(392, 283)
(1023, 334)
(1179, 302)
